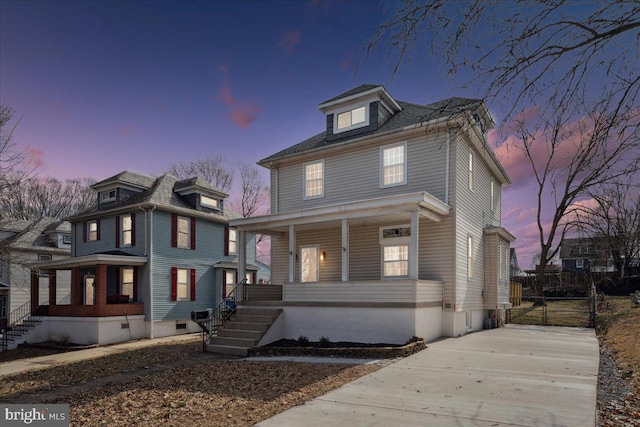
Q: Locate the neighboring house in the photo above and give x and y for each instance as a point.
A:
(23, 243)
(387, 224)
(580, 255)
(151, 251)
(514, 268)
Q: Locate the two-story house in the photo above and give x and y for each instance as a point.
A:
(22, 243)
(387, 224)
(148, 254)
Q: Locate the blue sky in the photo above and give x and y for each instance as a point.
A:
(105, 86)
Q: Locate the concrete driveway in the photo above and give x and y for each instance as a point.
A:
(516, 376)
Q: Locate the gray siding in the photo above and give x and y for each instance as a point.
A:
(107, 240)
(355, 174)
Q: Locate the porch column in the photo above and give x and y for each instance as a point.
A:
(345, 250)
(52, 287)
(35, 289)
(101, 285)
(76, 290)
(242, 260)
(292, 253)
(413, 246)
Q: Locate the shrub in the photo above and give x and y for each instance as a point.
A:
(325, 342)
(303, 340)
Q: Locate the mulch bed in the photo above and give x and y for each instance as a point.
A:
(289, 347)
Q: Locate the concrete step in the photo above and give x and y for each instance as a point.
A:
(228, 349)
(250, 318)
(258, 311)
(247, 326)
(233, 341)
(239, 333)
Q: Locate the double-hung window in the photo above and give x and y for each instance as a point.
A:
(126, 228)
(393, 165)
(127, 282)
(233, 241)
(314, 179)
(92, 230)
(395, 251)
(184, 239)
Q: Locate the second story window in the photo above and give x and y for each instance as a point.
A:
(393, 164)
(126, 230)
(314, 180)
(493, 196)
(183, 232)
(233, 241)
(91, 231)
(471, 165)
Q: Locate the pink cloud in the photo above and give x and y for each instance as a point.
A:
(242, 113)
(35, 157)
(290, 40)
(347, 61)
(125, 130)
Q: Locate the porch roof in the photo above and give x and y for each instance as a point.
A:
(425, 204)
(89, 260)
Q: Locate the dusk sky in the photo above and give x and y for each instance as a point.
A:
(106, 86)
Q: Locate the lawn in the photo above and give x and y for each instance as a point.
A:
(573, 312)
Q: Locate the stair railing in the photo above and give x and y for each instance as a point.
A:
(23, 315)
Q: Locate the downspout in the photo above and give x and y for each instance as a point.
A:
(150, 268)
(446, 171)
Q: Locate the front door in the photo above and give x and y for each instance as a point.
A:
(309, 264)
(89, 290)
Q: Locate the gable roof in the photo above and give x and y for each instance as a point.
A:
(34, 234)
(411, 114)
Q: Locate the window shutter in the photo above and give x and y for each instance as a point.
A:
(174, 283)
(117, 231)
(133, 229)
(135, 284)
(174, 230)
(224, 284)
(97, 229)
(84, 231)
(193, 233)
(226, 240)
(193, 284)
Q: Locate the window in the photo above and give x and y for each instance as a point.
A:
(108, 196)
(66, 239)
(314, 180)
(471, 171)
(127, 283)
(3, 307)
(183, 232)
(209, 202)
(503, 261)
(493, 199)
(351, 118)
(92, 230)
(469, 257)
(183, 284)
(126, 226)
(233, 241)
(395, 260)
(579, 263)
(229, 279)
(393, 165)
(44, 258)
(309, 264)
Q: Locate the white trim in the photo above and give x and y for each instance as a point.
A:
(351, 108)
(304, 180)
(403, 144)
(376, 90)
(89, 260)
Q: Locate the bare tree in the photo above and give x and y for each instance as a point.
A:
(212, 169)
(12, 169)
(254, 191)
(615, 221)
(38, 197)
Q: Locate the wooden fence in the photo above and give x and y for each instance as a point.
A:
(515, 294)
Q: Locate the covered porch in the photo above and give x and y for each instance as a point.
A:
(101, 285)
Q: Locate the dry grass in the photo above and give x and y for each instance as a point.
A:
(555, 313)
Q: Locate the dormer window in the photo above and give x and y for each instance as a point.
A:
(66, 239)
(351, 119)
(108, 196)
(209, 202)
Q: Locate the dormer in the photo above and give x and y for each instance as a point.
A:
(358, 111)
(120, 188)
(59, 234)
(201, 195)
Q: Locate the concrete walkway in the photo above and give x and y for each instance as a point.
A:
(41, 362)
(517, 376)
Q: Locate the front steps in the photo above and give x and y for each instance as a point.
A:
(245, 330)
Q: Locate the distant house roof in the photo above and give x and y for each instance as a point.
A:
(127, 177)
(411, 114)
(34, 234)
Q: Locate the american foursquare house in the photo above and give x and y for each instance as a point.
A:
(387, 224)
(148, 254)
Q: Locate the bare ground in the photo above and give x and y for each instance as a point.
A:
(176, 384)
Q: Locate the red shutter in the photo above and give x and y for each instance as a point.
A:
(224, 284)
(97, 229)
(133, 229)
(174, 283)
(193, 284)
(193, 233)
(84, 231)
(174, 230)
(135, 284)
(226, 240)
(117, 231)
